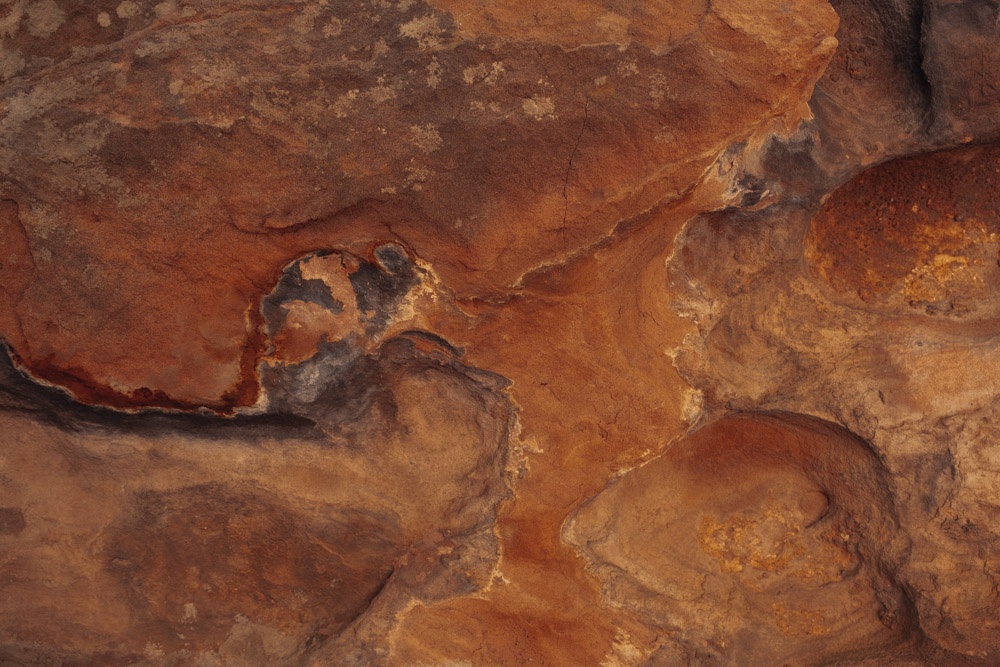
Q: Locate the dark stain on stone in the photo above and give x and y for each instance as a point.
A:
(293, 287)
(435, 340)
(11, 521)
(213, 552)
(392, 259)
(380, 287)
(353, 386)
(754, 188)
(291, 387)
(793, 166)
(55, 407)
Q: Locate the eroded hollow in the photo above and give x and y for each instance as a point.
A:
(778, 517)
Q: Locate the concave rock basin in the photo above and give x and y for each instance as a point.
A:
(444, 332)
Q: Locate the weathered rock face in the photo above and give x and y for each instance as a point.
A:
(210, 143)
(774, 517)
(894, 348)
(444, 331)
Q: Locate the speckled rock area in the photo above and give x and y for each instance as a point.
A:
(455, 332)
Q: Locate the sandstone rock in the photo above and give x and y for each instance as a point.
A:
(176, 532)
(179, 156)
(455, 332)
(774, 517)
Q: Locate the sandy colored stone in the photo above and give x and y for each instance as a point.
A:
(725, 526)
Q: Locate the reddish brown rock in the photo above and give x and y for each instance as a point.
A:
(202, 537)
(198, 558)
(919, 232)
(570, 335)
(775, 517)
(169, 180)
(806, 320)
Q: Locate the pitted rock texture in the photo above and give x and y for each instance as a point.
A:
(920, 232)
(498, 333)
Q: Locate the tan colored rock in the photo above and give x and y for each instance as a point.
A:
(176, 538)
(847, 338)
(774, 517)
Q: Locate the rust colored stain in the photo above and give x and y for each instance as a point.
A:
(87, 389)
(17, 268)
(147, 356)
(913, 225)
(192, 178)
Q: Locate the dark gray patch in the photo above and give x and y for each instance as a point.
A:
(353, 386)
(436, 340)
(379, 290)
(378, 287)
(293, 287)
(753, 188)
(291, 387)
(792, 165)
(392, 258)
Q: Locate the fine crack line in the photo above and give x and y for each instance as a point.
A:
(569, 168)
(545, 70)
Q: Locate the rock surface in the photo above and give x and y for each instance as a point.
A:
(451, 332)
